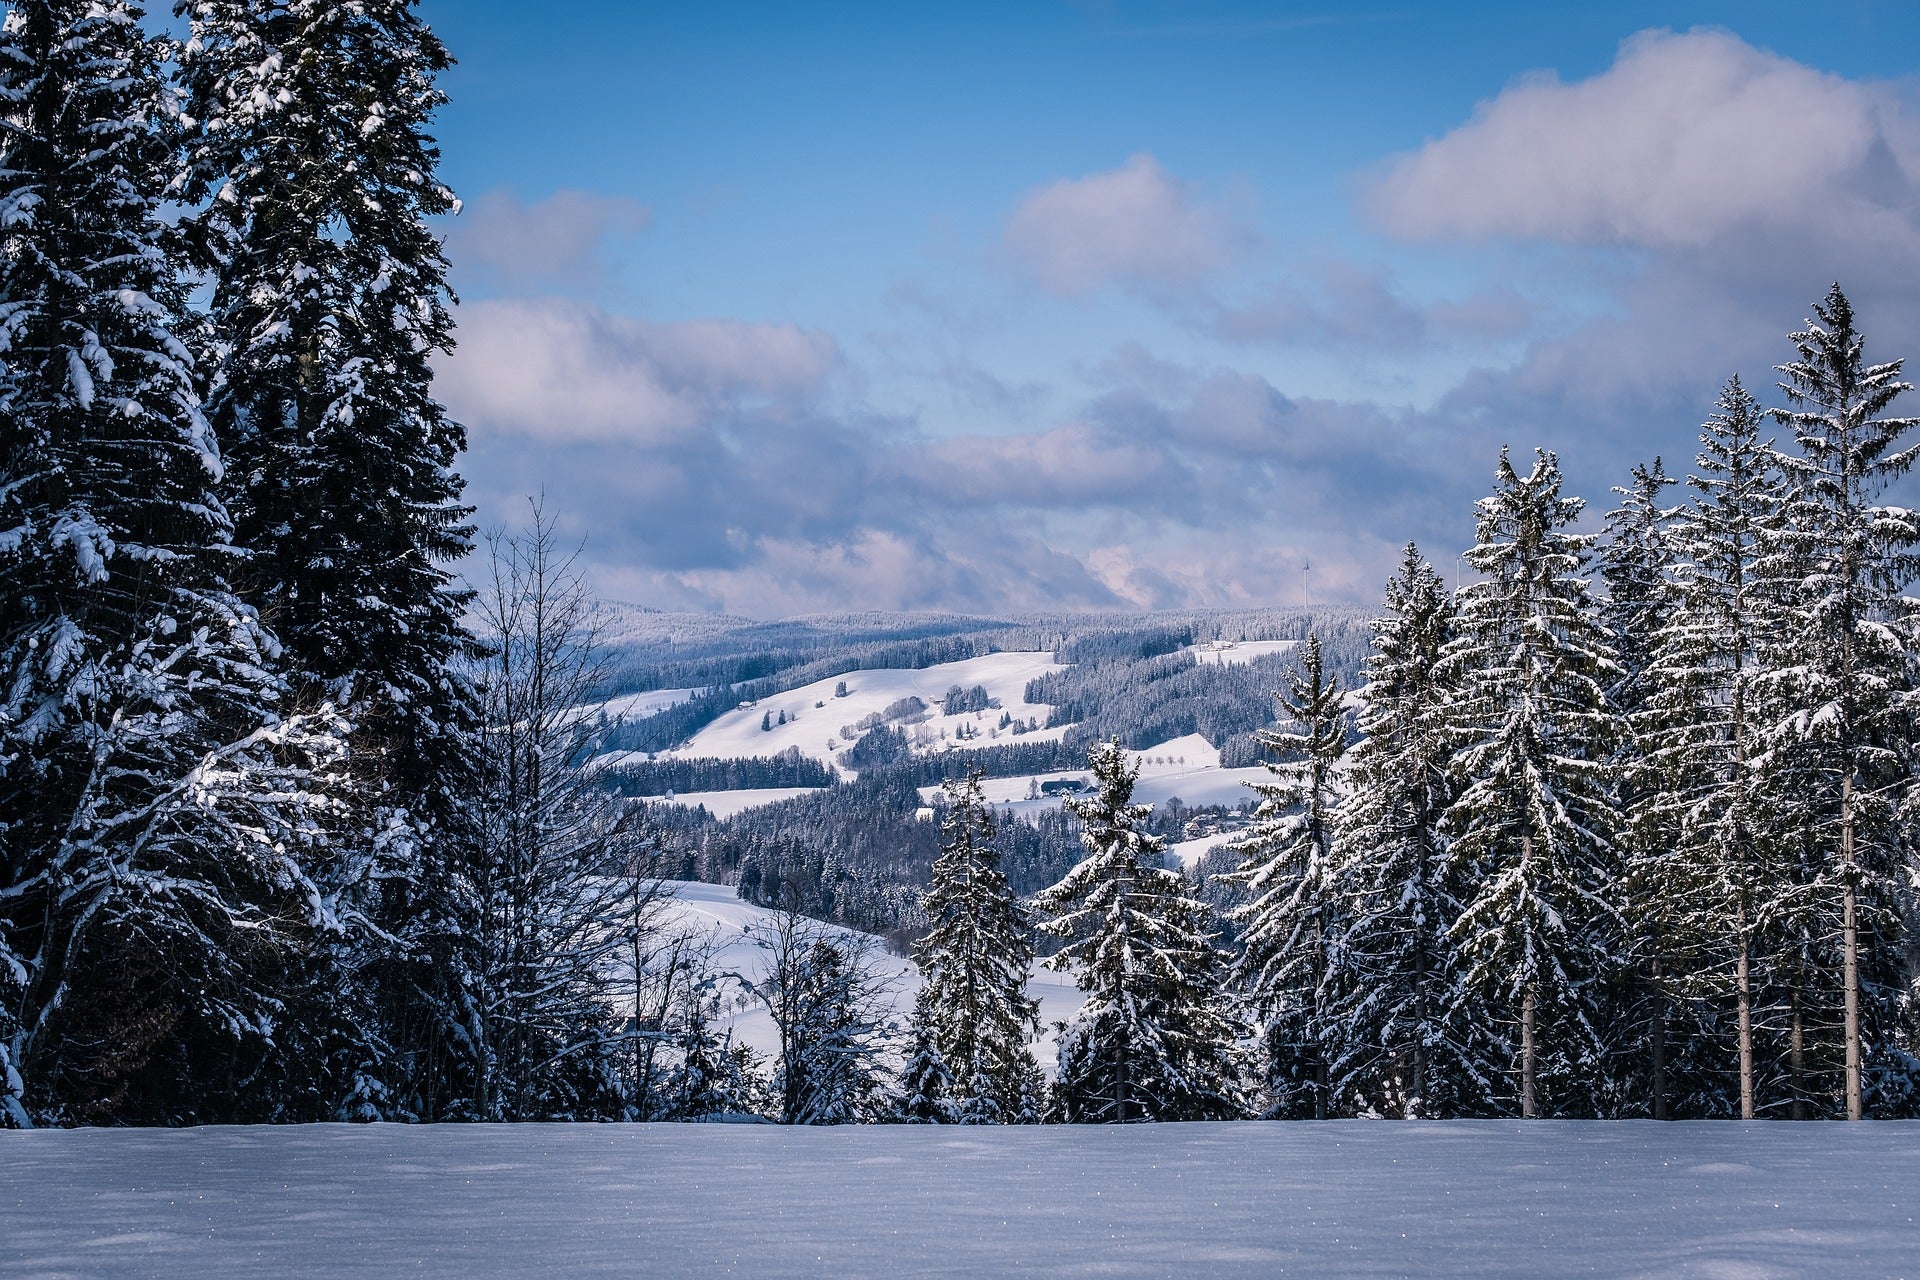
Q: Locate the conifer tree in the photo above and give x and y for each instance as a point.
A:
(308, 149)
(1533, 825)
(1286, 868)
(822, 993)
(1396, 1046)
(1154, 1040)
(1638, 564)
(1841, 734)
(1699, 725)
(926, 1086)
(159, 811)
(975, 959)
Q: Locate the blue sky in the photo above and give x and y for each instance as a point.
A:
(799, 308)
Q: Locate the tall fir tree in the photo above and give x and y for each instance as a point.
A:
(1842, 687)
(1155, 1039)
(1397, 1045)
(1656, 1049)
(1713, 879)
(977, 1016)
(159, 813)
(1533, 825)
(1287, 871)
(310, 157)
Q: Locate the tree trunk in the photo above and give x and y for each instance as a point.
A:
(1797, 1060)
(1528, 1104)
(1850, 948)
(1744, 998)
(1659, 1044)
(1416, 1102)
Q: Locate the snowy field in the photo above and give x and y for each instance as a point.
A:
(1185, 768)
(637, 706)
(816, 718)
(1228, 653)
(1716, 1201)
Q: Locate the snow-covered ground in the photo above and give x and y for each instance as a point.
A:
(637, 706)
(1340, 1199)
(725, 804)
(712, 910)
(822, 725)
(1229, 653)
(1191, 851)
(1187, 768)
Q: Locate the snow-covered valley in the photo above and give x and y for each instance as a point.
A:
(1335, 1199)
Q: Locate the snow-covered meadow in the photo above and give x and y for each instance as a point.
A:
(1354, 1198)
(815, 716)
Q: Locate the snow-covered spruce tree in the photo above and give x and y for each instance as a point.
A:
(926, 1086)
(1533, 825)
(713, 1077)
(1155, 1039)
(1663, 1043)
(974, 959)
(548, 932)
(1395, 1043)
(1841, 738)
(310, 158)
(158, 811)
(1287, 872)
(1712, 879)
(823, 994)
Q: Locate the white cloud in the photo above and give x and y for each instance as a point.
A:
(559, 242)
(1685, 139)
(1136, 225)
(569, 371)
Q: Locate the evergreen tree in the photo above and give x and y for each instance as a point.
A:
(159, 811)
(1711, 880)
(975, 959)
(1396, 1043)
(1154, 1040)
(715, 1076)
(1533, 824)
(1841, 734)
(1638, 563)
(927, 1085)
(822, 995)
(309, 151)
(1286, 868)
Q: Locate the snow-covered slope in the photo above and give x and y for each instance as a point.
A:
(636, 706)
(713, 911)
(1486, 1199)
(1229, 653)
(1186, 768)
(822, 725)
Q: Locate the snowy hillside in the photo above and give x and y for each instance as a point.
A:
(1187, 769)
(1485, 1199)
(822, 723)
(1230, 653)
(714, 912)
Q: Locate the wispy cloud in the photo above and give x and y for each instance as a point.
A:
(565, 241)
